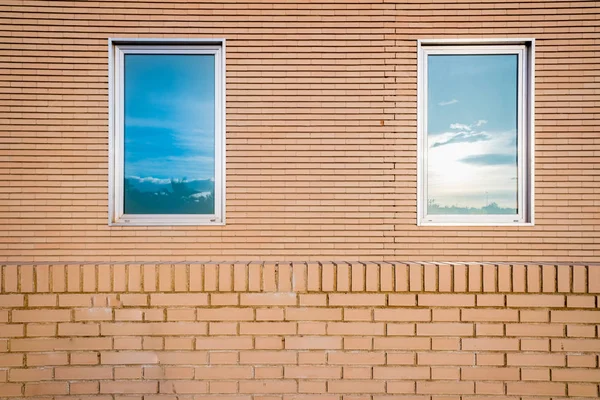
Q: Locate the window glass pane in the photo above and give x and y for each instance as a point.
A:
(169, 129)
(472, 134)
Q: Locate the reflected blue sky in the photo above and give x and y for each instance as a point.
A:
(169, 133)
(472, 133)
(169, 116)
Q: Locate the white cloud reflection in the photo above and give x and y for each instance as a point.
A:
(447, 103)
(472, 168)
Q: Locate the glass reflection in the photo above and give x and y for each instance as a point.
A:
(169, 130)
(472, 134)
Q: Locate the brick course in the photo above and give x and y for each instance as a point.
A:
(269, 343)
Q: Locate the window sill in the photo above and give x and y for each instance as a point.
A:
(466, 224)
(171, 220)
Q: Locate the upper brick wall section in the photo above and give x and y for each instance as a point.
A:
(321, 129)
(302, 277)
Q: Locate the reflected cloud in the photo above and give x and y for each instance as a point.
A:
(464, 138)
(461, 127)
(447, 103)
(150, 179)
(490, 159)
(190, 167)
(466, 134)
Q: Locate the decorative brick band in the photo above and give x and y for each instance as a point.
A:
(300, 277)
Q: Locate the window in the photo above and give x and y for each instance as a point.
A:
(475, 124)
(167, 132)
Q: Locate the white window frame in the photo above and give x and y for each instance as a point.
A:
(117, 50)
(525, 49)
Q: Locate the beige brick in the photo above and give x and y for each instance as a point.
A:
(446, 300)
(269, 314)
(403, 315)
(535, 300)
(580, 360)
(220, 372)
(356, 358)
(313, 314)
(582, 390)
(402, 343)
(267, 328)
(535, 374)
(84, 388)
(445, 329)
(312, 372)
(94, 314)
(575, 375)
(536, 388)
(358, 386)
(408, 373)
(313, 342)
(45, 388)
(11, 360)
(267, 357)
(128, 387)
(268, 386)
(41, 315)
(11, 300)
(445, 388)
(443, 358)
(535, 359)
(268, 372)
(355, 328)
(268, 299)
(540, 330)
(401, 387)
(30, 374)
(223, 343)
(575, 316)
(489, 315)
(129, 357)
(356, 299)
(489, 374)
(179, 299)
(13, 389)
(153, 328)
(83, 373)
(491, 344)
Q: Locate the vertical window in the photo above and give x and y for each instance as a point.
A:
(167, 120)
(475, 133)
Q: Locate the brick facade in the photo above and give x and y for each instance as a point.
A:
(299, 331)
(321, 130)
(321, 165)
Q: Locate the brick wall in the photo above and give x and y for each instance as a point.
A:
(321, 131)
(343, 331)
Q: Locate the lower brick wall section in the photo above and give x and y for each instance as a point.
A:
(296, 331)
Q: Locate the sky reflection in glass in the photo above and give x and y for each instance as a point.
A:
(472, 134)
(169, 130)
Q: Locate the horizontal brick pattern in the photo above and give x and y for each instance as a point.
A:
(417, 334)
(321, 129)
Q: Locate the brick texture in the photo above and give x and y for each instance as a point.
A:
(321, 165)
(157, 342)
(321, 131)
